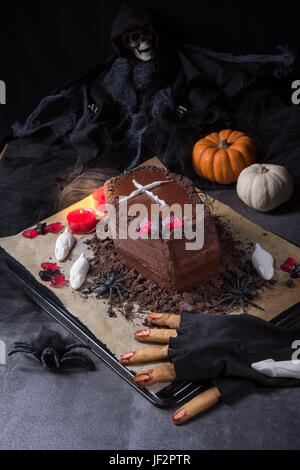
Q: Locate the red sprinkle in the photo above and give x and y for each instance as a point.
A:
(174, 221)
(288, 265)
(58, 280)
(169, 222)
(53, 228)
(52, 266)
(30, 233)
(145, 227)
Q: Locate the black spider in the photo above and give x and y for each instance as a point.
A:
(53, 350)
(109, 282)
(239, 291)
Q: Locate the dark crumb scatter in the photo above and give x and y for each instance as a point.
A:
(235, 264)
(111, 313)
(290, 283)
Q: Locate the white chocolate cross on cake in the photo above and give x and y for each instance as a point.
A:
(146, 190)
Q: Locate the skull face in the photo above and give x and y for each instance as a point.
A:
(140, 43)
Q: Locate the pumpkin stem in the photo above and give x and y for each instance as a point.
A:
(263, 169)
(224, 144)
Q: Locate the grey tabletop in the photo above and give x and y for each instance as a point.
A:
(99, 410)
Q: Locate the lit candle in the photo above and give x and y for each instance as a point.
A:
(82, 221)
(99, 199)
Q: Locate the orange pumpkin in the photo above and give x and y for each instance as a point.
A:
(221, 156)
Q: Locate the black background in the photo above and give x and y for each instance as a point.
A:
(44, 44)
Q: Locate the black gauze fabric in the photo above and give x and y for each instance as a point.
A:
(136, 121)
(221, 349)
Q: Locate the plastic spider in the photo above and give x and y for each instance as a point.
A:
(109, 282)
(54, 351)
(239, 292)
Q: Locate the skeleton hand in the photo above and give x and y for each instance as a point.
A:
(166, 372)
(181, 111)
(93, 108)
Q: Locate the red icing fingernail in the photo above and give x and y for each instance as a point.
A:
(155, 316)
(142, 333)
(142, 377)
(181, 413)
(127, 356)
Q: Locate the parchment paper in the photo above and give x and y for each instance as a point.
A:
(117, 333)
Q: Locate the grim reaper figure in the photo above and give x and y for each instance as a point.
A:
(154, 97)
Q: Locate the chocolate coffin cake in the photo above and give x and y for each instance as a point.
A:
(164, 261)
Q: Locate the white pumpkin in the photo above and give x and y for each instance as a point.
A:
(264, 186)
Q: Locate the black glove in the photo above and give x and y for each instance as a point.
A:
(222, 349)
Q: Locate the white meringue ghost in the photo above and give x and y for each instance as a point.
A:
(263, 261)
(79, 271)
(272, 368)
(64, 245)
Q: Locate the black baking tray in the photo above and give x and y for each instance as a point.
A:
(170, 396)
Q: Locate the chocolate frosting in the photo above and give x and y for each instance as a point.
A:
(165, 261)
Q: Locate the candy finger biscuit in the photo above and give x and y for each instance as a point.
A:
(155, 336)
(145, 355)
(164, 319)
(197, 405)
(163, 373)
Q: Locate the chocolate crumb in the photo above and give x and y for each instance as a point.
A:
(290, 283)
(111, 313)
(149, 296)
(185, 307)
